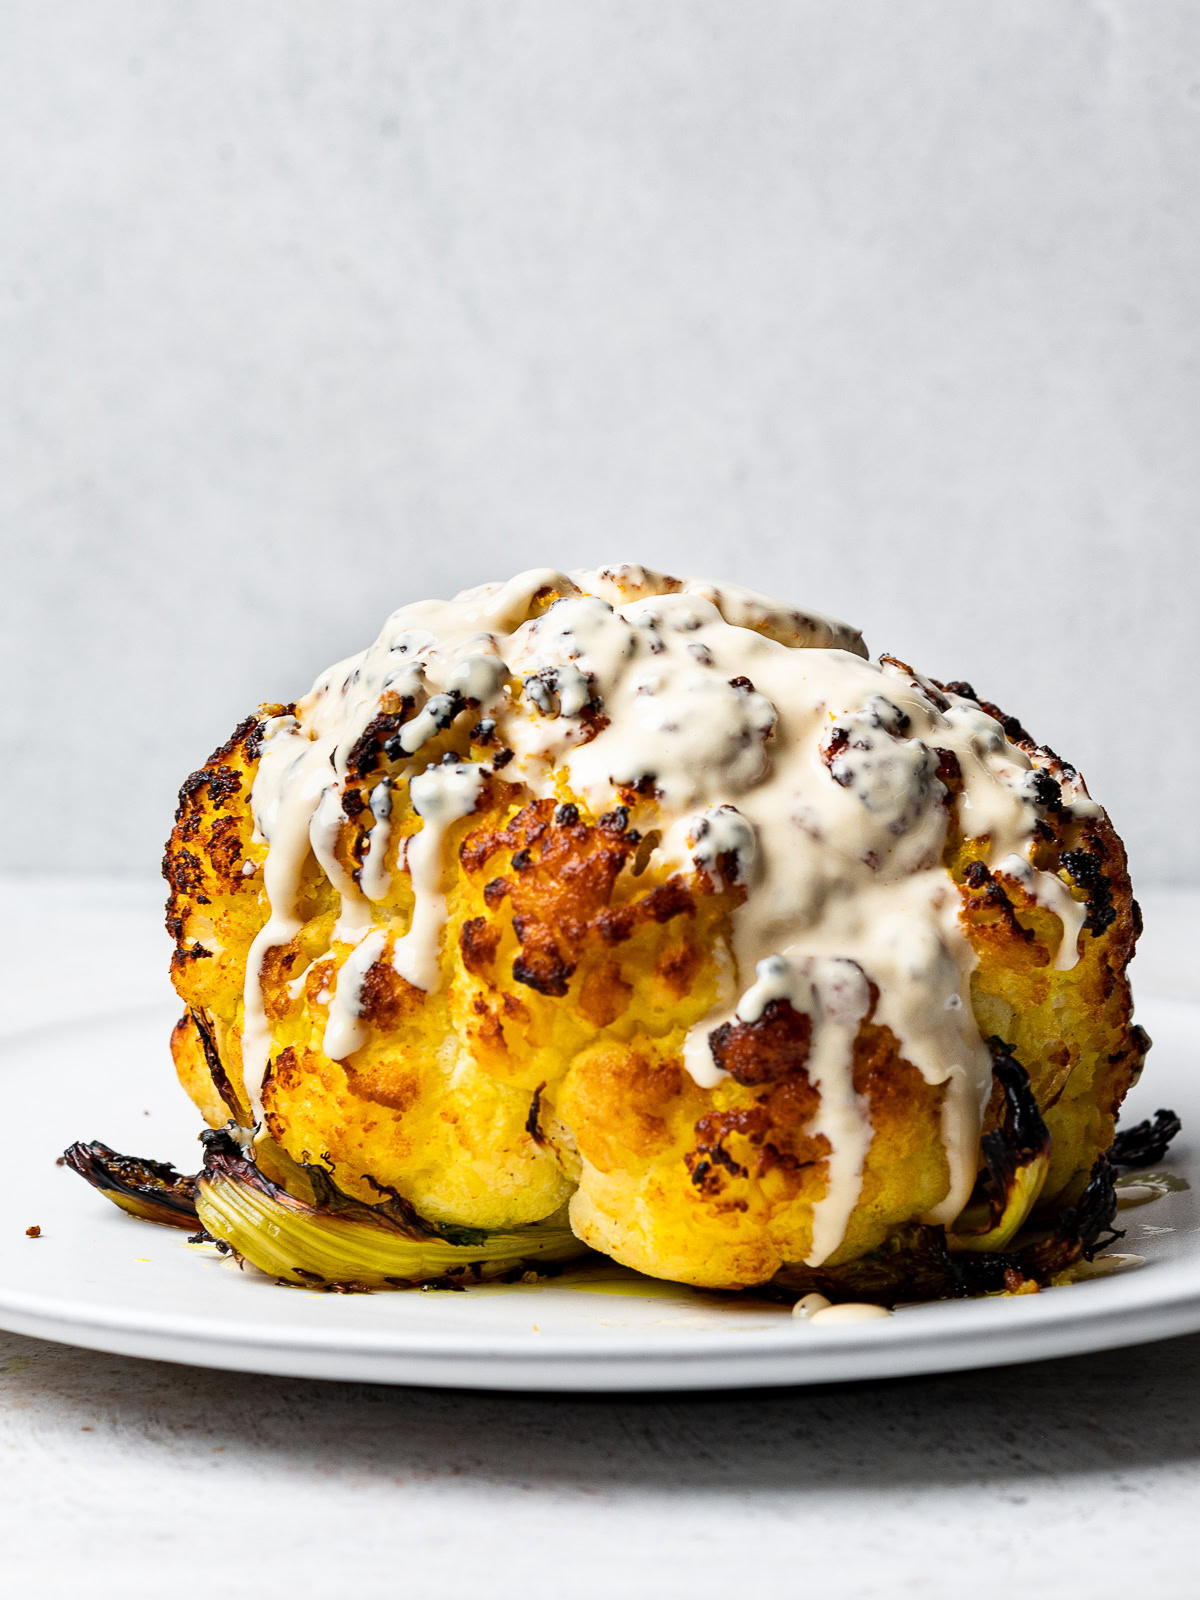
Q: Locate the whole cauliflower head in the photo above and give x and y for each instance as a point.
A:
(659, 901)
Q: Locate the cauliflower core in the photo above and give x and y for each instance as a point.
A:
(657, 900)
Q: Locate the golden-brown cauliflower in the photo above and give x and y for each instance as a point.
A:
(509, 1017)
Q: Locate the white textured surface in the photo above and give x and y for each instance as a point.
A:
(306, 311)
(1051, 1480)
(1065, 1478)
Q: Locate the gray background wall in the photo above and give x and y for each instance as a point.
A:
(309, 309)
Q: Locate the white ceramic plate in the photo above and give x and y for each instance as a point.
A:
(97, 1278)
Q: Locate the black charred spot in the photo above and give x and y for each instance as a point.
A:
(705, 1165)
(976, 875)
(993, 898)
(742, 683)
(501, 759)
(184, 872)
(543, 969)
(567, 815)
(532, 1127)
(441, 710)
(220, 782)
(1014, 730)
(254, 739)
(248, 726)
(723, 1159)
(707, 1181)
(1046, 790)
(615, 821)
(365, 751)
(225, 848)
(494, 891)
(484, 731)
(522, 860)
(353, 803)
(949, 771)
(1087, 869)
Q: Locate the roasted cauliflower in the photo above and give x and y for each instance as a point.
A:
(657, 918)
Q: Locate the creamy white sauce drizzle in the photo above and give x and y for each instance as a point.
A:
(767, 749)
(849, 1311)
(1051, 894)
(354, 918)
(284, 804)
(344, 1029)
(440, 796)
(836, 995)
(809, 1304)
(1139, 1188)
(720, 837)
(374, 878)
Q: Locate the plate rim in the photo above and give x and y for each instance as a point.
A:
(1000, 1333)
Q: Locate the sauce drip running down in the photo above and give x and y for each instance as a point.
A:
(763, 744)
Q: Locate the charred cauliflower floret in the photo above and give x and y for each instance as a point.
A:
(618, 911)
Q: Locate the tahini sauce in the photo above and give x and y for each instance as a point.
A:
(762, 733)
